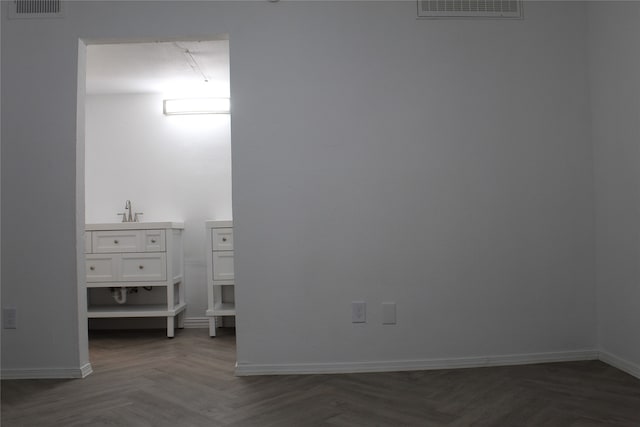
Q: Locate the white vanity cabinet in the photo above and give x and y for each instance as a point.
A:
(220, 272)
(146, 255)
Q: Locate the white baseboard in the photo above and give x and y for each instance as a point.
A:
(623, 365)
(196, 322)
(246, 369)
(52, 373)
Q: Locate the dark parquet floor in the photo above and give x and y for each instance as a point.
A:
(145, 379)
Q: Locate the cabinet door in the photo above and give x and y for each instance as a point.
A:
(223, 265)
(143, 267)
(116, 241)
(222, 239)
(101, 268)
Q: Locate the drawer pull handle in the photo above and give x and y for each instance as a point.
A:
(92, 268)
(115, 242)
(153, 240)
(224, 239)
(141, 267)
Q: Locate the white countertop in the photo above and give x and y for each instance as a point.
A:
(134, 225)
(226, 223)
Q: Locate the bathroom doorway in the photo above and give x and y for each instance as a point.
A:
(170, 167)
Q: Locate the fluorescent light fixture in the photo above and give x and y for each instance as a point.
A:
(197, 106)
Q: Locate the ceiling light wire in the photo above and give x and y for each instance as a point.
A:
(191, 60)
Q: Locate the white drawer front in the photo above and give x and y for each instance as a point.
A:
(143, 267)
(101, 268)
(154, 241)
(116, 241)
(223, 265)
(222, 239)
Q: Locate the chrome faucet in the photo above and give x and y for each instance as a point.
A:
(127, 205)
(127, 215)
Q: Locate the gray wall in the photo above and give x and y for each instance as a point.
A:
(444, 165)
(615, 95)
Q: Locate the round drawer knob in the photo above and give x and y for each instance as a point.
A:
(153, 240)
(92, 268)
(224, 239)
(115, 242)
(141, 267)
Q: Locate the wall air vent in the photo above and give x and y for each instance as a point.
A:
(26, 9)
(511, 9)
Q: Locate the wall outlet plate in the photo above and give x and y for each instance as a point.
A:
(388, 313)
(9, 318)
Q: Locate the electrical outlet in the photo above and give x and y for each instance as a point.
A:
(388, 313)
(9, 318)
(358, 312)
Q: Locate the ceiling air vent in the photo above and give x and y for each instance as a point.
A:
(25, 9)
(470, 9)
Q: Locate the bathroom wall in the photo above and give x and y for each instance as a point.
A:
(170, 167)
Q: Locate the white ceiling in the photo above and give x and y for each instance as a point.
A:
(170, 68)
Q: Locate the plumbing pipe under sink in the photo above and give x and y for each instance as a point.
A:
(119, 294)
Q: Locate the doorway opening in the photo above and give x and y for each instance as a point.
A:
(168, 169)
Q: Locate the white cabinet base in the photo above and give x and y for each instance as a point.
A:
(136, 255)
(220, 273)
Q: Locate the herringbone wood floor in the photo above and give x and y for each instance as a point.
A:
(145, 379)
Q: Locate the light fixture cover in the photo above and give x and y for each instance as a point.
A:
(197, 106)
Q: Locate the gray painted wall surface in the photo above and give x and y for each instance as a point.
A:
(444, 165)
(615, 93)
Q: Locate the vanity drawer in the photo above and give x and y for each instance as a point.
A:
(154, 241)
(223, 265)
(116, 241)
(101, 268)
(143, 267)
(222, 239)
(120, 241)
